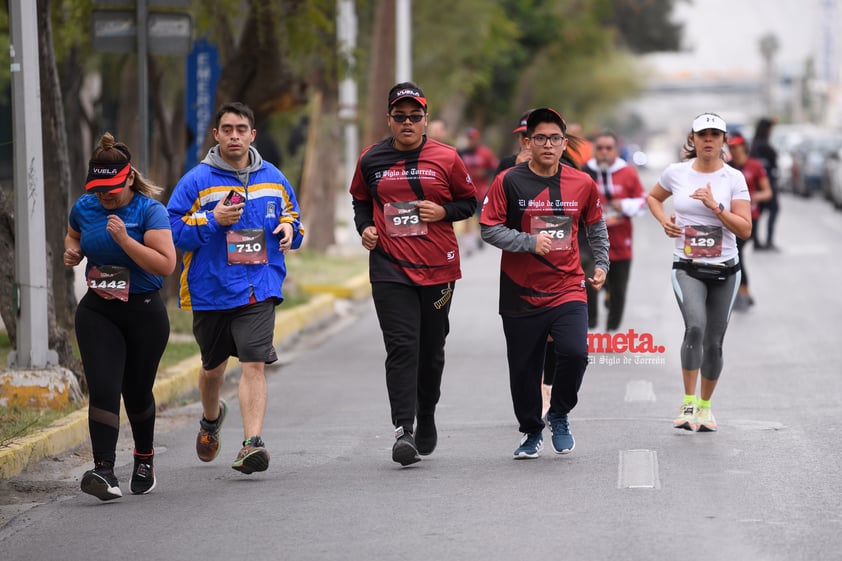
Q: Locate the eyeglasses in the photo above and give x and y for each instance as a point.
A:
(604, 147)
(400, 117)
(541, 139)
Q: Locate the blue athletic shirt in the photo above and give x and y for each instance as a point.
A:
(90, 218)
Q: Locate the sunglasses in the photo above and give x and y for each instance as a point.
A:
(400, 117)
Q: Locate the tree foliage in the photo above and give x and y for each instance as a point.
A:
(517, 54)
(645, 26)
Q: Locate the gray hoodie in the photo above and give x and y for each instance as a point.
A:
(213, 159)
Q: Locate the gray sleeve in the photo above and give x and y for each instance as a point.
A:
(598, 240)
(508, 239)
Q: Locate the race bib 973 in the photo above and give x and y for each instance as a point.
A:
(404, 219)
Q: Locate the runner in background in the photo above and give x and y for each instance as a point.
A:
(762, 149)
(482, 165)
(583, 151)
(761, 191)
(437, 130)
(622, 198)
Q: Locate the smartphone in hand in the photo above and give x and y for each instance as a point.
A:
(233, 198)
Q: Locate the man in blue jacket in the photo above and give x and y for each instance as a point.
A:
(233, 216)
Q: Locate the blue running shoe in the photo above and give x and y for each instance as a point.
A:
(563, 441)
(530, 446)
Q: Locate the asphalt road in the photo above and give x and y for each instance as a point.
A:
(765, 487)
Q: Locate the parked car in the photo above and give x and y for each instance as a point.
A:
(810, 159)
(784, 139)
(835, 180)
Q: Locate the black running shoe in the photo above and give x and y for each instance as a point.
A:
(101, 482)
(426, 435)
(404, 450)
(143, 474)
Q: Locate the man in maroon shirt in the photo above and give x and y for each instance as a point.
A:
(532, 213)
(407, 191)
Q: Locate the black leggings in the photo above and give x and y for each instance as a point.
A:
(121, 344)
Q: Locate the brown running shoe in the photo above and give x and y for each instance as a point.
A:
(207, 441)
(253, 456)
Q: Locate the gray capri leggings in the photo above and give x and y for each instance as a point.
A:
(706, 308)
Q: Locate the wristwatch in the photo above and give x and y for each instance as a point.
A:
(719, 210)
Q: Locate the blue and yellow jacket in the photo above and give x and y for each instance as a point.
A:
(207, 281)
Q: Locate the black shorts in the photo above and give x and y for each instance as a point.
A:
(247, 333)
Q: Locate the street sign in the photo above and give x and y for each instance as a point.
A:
(150, 3)
(169, 33)
(115, 31)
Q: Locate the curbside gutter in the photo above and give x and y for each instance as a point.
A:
(174, 382)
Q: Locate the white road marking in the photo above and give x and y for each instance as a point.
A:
(638, 470)
(640, 390)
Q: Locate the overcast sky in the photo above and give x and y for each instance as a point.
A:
(722, 36)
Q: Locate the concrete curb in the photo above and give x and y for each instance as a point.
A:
(174, 382)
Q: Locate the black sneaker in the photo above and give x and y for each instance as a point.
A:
(404, 451)
(101, 482)
(426, 435)
(143, 474)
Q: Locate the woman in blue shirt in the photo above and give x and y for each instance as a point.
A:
(122, 325)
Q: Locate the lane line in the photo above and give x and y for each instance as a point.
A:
(638, 469)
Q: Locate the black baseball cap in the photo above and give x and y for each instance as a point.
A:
(407, 90)
(545, 115)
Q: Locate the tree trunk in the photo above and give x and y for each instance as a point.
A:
(169, 139)
(317, 193)
(62, 298)
(381, 73)
(258, 72)
(8, 296)
(128, 126)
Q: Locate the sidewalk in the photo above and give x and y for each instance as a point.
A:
(179, 380)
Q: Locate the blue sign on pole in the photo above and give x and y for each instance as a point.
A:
(202, 74)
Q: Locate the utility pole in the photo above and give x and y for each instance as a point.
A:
(403, 40)
(346, 31)
(142, 85)
(768, 49)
